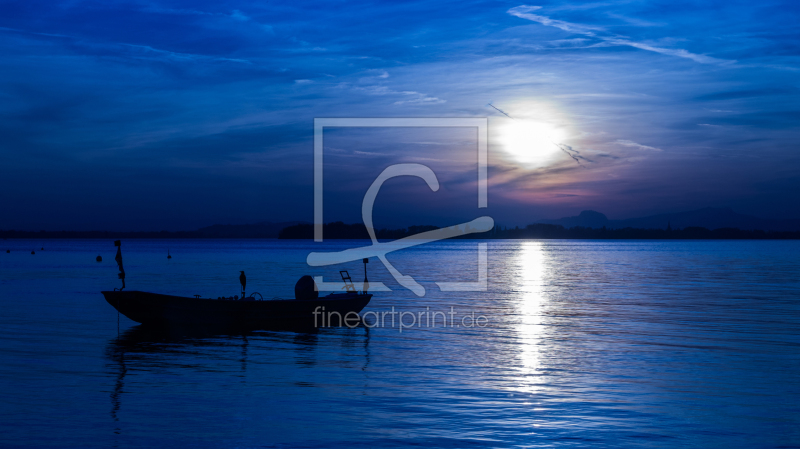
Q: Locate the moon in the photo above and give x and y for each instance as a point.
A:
(532, 143)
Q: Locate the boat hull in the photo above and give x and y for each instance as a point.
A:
(155, 309)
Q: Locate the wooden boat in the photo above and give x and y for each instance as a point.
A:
(308, 309)
(166, 310)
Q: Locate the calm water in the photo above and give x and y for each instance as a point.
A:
(588, 344)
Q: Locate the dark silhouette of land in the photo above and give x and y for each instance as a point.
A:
(708, 223)
(339, 230)
(709, 217)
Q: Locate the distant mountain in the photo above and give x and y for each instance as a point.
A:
(709, 217)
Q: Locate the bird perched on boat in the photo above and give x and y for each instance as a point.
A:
(243, 281)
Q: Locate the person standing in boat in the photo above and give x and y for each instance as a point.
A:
(243, 281)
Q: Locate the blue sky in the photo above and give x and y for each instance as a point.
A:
(174, 115)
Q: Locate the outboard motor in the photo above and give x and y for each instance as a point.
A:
(306, 288)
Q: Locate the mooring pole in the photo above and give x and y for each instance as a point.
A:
(121, 275)
(366, 282)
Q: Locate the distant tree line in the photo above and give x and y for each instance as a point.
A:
(340, 230)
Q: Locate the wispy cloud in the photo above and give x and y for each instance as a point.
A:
(606, 38)
(127, 85)
(240, 16)
(132, 50)
(409, 96)
(679, 52)
(236, 15)
(524, 12)
(147, 52)
(176, 11)
(419, 98)
(634, 21)
(34, 33)
(638, 146)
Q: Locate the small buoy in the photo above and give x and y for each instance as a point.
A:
(33, 252)
(168, 256)
(99, 258)
(43, 248)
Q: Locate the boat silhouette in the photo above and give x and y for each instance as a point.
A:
(307, 309)
(166, 310)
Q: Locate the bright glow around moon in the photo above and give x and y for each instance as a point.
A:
(532, 143)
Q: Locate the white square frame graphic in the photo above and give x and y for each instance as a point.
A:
(482, 125)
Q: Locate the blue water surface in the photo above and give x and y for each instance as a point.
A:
(583, 344)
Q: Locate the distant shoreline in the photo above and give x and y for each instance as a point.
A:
(341, 231)
(701, 224)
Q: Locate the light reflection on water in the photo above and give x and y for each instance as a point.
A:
(615, 344)
(532, 269)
